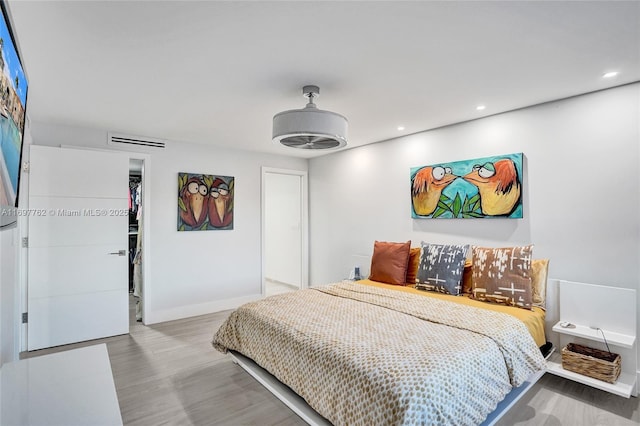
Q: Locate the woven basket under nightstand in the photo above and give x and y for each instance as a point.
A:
(601, 365)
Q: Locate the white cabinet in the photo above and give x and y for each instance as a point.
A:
(591, 307)
(73, 387)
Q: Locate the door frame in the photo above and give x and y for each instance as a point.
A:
(304, 221)
(23, 227)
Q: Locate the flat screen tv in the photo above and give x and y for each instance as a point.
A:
(13, 104)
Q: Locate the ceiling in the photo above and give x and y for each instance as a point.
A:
(216, 72)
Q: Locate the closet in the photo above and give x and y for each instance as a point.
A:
(134, 208)
(135, 238)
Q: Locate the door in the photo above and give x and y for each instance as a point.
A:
(77, 256)
(285, 226)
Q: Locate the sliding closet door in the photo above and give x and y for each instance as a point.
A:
(78, 263)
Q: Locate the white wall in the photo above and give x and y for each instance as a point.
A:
(193, 273)
(283, 228)
(580, 193)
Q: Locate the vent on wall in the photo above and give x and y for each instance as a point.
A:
(117, 139)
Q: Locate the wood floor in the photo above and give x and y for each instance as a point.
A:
(169, 374)
(275, 287)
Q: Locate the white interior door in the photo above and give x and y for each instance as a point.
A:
(284, 227)
(78, 257)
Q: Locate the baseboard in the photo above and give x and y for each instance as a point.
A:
(180, 312)
(267, 279)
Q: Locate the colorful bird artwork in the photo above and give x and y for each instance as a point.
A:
(489, 187)
(220, 207)
(205, 202)
(498, 185)
(427, 187)
(193, 195)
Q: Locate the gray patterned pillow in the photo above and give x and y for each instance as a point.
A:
(441, 268)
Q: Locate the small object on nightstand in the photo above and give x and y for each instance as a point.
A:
(356, 274)
(547, 349)
(566, 324)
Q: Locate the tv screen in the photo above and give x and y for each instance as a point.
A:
(13, 103)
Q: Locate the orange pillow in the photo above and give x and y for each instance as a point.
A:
(412, 267)
(389, 262)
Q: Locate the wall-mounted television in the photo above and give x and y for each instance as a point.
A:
(13, 104)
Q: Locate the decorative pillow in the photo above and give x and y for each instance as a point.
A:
(441, 268)
(503, 275)
(412, 268)
(539, 273)
(467, 282)
(389, 262)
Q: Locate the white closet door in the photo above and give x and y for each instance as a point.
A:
(78, 257)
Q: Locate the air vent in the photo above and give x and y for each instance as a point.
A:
(134, 141)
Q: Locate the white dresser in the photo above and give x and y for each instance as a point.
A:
(74, 387)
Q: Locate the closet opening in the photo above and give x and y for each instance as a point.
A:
(135, 238)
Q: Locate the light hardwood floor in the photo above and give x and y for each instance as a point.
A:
(276, 287)
(169, 374)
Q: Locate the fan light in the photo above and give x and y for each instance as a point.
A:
(310, 127)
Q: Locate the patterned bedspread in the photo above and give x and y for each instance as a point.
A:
(361, 355)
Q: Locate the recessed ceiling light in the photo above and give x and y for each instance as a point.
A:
(610, 74)
(400, 128)
(480, 107)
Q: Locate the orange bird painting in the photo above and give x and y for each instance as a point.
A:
(488, 187)
(427, 187)
(498, 186)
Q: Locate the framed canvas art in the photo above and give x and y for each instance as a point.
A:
(205, 202)
(487, 187)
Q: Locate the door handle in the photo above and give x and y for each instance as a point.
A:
(119, 253)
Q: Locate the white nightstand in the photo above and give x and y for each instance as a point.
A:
(611, 309)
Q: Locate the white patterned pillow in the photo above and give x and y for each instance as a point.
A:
(441, 268)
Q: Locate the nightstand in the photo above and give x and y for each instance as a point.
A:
(591, 308)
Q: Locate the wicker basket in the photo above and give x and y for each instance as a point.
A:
(591, 362)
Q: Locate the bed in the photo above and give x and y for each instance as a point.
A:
(369, 353)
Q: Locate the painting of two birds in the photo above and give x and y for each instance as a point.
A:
(205, 202)
(486, 187)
